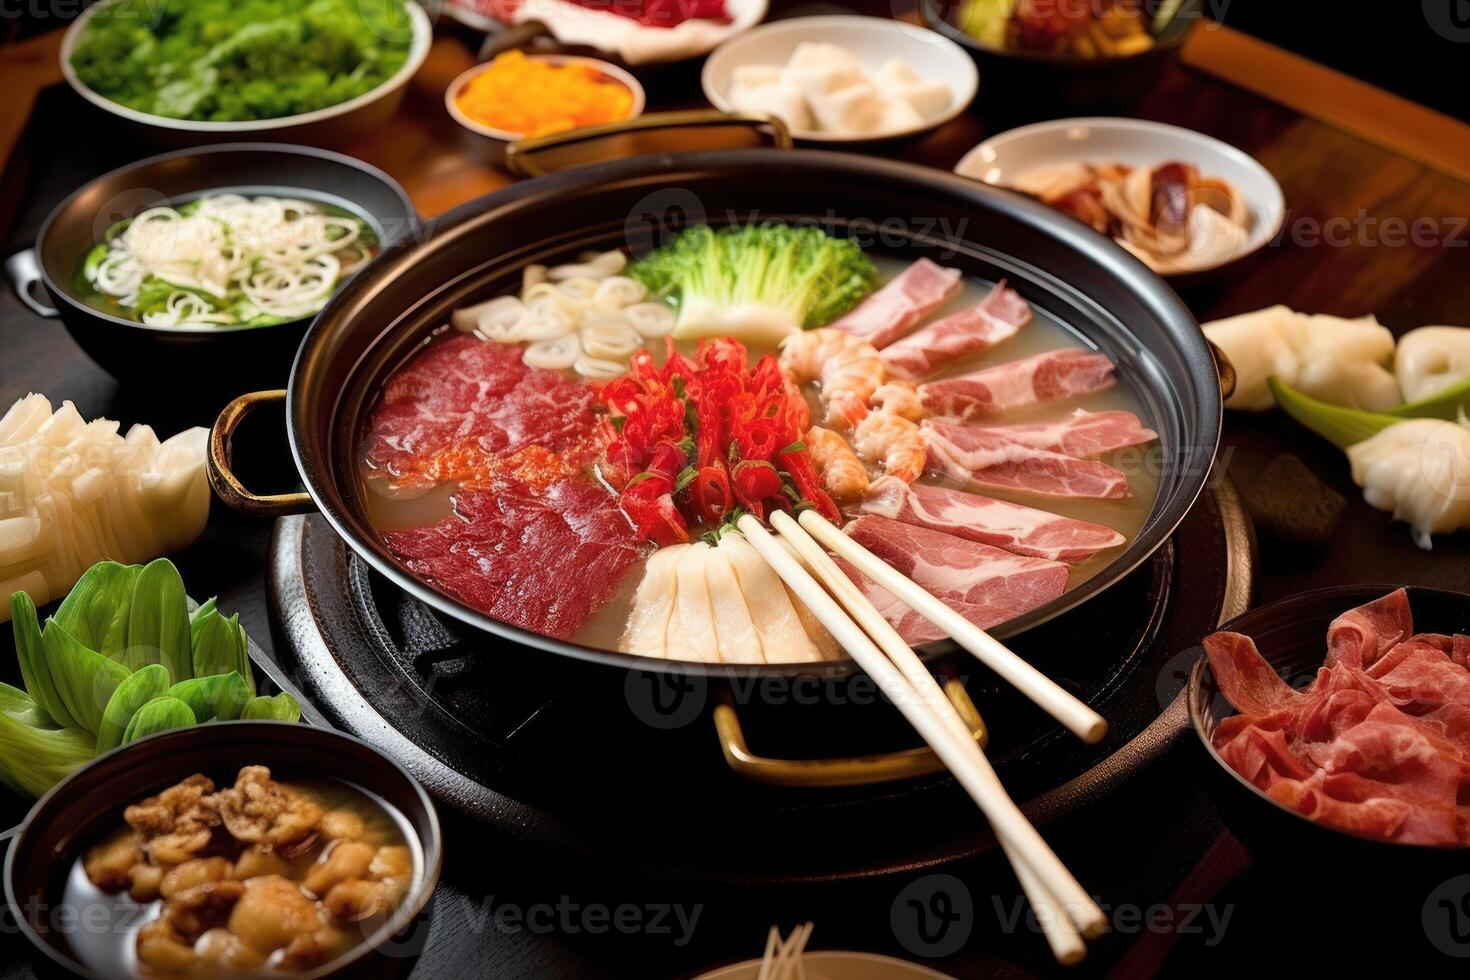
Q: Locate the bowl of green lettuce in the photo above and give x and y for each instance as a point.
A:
(319, 71)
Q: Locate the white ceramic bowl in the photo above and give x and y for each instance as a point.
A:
(321, 127)
(1135, 142)
(873, 39)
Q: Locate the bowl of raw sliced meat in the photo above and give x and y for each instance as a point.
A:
(1339, 722)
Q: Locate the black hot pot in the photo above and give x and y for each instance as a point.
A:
(389, 309)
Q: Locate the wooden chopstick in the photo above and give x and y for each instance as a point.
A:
(1061, 934)
(960, 755)
(1077, 717)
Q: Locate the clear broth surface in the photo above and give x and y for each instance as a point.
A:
(603, 629)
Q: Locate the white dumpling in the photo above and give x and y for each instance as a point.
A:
(1431, 359)
(1334, 359)
(1418, 470)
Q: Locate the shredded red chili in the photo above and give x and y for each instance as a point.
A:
(695, 441)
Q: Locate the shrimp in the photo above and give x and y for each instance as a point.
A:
(892, 441)
(847, 366)
(899, 398)
(843, 474)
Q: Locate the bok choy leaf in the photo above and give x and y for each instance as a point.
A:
(159, 715)
(158, 623)
(282, 707)
(95, 612)
(32, 759)
(147, 683)
(85, 680)
(35, 671)
(222, 696)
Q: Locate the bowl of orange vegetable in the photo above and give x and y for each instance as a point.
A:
(518, 96)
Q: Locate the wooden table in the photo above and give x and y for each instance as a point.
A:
(1358, 166)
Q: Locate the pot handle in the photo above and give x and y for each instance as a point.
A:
(25, 276)
(222, 478)
(1223, 369)
(854, 771)
(518, 154)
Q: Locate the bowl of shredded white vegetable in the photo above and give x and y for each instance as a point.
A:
(210, 257)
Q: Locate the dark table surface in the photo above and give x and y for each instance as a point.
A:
(1177, 888)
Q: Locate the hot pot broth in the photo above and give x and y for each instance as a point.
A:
(318, 888)
(231, 257)
(396, 510)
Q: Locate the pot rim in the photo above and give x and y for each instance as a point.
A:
(63, 296)
(1162, 521)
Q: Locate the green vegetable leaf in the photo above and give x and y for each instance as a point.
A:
(158, 624)
(222, 696)
(220, 646)
(798, 277)
(22, 707)
(85, 680)
(95, 611)
(35, 671)
(1449, 403)
(32, 759)
(159, 715)
(282, 707)
(1337, 424)
(145, 684)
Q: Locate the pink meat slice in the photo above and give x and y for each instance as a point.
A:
(540, 561)
(953, 568)
(1018, 529)
(1360, 636)
(902, 302)
(997, 317)
(1378, 744)
(969, 454)
(460, 390)
(995, 390)
(1244, 676)
(915, 629)
(1082, 434)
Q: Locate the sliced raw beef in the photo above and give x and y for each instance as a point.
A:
(462, 408)
(995, 390)
(902, 302)
(999, 316)
(913, 628)
(954, 568)
(969, 454)
(539, 560)
(1082, 434)
(1360, 636)
(1378, 744)
(1017, 529)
